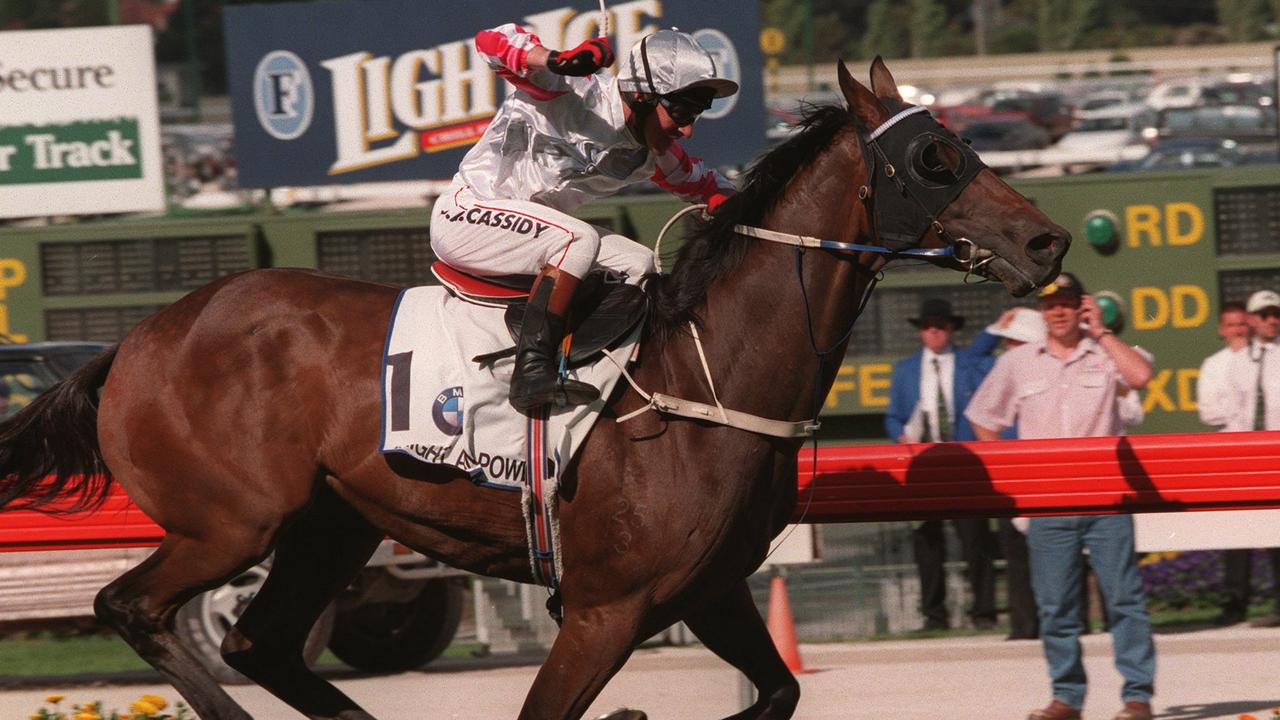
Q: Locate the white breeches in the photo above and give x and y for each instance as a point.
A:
(518, 237)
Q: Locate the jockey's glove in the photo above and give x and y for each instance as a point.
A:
(582, 60)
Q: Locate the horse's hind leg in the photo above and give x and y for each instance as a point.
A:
(317, 556)
(141, 604)
(731, 628)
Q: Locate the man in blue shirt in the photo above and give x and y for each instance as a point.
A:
(927, 397)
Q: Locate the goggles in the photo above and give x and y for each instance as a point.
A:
(684, 108)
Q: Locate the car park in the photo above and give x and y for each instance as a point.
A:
(1245, 124)
(1186, 154)
(1011, 131)
(1109, 128)
(1050, 111)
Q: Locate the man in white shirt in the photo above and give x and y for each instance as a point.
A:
(1237, 392)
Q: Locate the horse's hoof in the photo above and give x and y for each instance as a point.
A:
(624, 714)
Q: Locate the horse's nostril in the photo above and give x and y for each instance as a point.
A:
(1045, 243)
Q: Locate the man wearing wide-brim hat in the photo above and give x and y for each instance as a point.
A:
(927, 397)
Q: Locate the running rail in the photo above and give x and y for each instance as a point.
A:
(1144, 473)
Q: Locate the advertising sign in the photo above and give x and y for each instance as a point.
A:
(79, 127)
(375, 90)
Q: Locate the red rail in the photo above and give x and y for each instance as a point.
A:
(1145, 473)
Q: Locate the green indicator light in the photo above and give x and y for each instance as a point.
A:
(1110, 309)
(1099, 230)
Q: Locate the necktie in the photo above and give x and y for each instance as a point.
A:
(1259, 400)
(944, 417)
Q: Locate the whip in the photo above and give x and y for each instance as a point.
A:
(604, 20)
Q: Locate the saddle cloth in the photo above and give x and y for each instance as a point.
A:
(441, 407)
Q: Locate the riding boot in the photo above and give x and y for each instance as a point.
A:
(537, 380)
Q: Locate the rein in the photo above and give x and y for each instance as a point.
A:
(971, 257)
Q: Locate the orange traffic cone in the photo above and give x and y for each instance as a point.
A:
(781, 625)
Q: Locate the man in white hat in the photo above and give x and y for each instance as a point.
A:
(1244, 394)
(566, 134)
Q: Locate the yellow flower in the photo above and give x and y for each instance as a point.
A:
(156, 700)
(86, 715)
(35, 716)
(144, 708)
(54, 699)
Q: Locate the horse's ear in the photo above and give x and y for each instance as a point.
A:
(882, 82)
(869, 111)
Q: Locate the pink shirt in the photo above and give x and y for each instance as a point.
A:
(1048, 397)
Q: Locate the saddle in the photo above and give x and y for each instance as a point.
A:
(605, 310)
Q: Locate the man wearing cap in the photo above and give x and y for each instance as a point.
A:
(1237, 394)
(1068, 386)
(566, 134)
(927, 396)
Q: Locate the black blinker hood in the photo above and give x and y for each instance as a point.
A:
(903, 183)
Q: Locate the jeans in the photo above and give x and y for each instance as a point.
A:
(1056, 545)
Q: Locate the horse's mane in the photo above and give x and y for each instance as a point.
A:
(713, 248)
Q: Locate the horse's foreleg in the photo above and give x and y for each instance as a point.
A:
(593, 644)
(141, 605)
(731, 628)
(317, 556)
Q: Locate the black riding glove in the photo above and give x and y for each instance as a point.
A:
(583, 60)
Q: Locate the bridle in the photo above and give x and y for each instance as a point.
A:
(903, 206)
(909, 206)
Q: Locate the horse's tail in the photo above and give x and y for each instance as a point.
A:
(49, 451)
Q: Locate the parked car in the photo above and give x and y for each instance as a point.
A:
(1050, 111)
(1185, 154)
(1245, 124)
(400, 613)
(1008, 132)
(1184, 92)
(1100, 100)
(1247, 92)
(1108, 129)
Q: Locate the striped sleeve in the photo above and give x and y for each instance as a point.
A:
(506, 49)
(681, 174)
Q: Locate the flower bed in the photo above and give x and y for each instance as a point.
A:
(147, 707)
(1177, 580)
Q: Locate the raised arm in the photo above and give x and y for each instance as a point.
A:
(518, 56)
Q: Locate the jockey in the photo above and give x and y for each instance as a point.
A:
(567, 134)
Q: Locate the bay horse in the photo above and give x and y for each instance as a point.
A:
(245, 418)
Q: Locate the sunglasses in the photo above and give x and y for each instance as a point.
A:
(682, 109)
(1269, 313)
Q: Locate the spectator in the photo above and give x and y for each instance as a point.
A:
(1071, 385)
(927, 396)
(1018, 327)
(1239, 390)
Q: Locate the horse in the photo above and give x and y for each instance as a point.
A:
(244, 419)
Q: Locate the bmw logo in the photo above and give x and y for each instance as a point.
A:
(727, 67)
(282, 95)
(447, 411)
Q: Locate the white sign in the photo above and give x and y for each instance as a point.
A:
(1208, 530)
(79, 123)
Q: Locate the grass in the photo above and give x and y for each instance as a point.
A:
(45, 654)
(51, 655)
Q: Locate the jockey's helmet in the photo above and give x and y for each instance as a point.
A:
(669, 62)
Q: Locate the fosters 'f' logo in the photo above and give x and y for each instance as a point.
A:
(447, 411)
(283, 95)
(727, 66)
